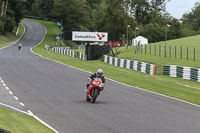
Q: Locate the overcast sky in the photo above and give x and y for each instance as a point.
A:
(178, 7)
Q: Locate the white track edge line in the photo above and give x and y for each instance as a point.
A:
(30, 114)
(5, 105)
(112, 79)
(15, 41)
(123, 83)
(34, 116)
(41, 121)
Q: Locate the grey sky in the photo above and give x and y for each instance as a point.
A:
(178, 7)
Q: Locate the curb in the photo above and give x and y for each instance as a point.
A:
(28, 111)
(12, 43)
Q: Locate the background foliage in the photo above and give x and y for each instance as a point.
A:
(110, 16)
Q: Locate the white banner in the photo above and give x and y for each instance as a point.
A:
(90, 36)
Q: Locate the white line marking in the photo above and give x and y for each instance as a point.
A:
(29, 112)
(42, 39)
(22, 104)
(16, 97)
(124, 83)
(4, 84)
(11, 92)
(13, 108)
(7, 88)
(117, 81)
(41, 121)
(2, 81)
(12, 43)
(37, 118)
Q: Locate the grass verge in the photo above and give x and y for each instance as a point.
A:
(174, 87)
(20, 123)
(1, 46)
(11, 37)
(177, 58)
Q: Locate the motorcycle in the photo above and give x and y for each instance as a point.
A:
(94, 89)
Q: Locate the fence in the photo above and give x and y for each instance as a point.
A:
(182, 72)
(71, 53)
(181, 52)
(131, 64)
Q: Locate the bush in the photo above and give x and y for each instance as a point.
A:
(71, 44)
(2, 28)
(9, 24)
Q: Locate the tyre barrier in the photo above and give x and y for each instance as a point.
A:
(143, 67)
(48, 47)
(188, 73)
(74, 54)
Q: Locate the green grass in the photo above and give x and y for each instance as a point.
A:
(190, 42)
(1, 46)
(178, 88)
(82, 50)
(20, 123)
(11, 37)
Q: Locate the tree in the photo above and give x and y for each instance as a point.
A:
(192, 19)
(115, 20)
(45, 7)
(18, 7)
(146, 10)
(153, 32)
(72, 18)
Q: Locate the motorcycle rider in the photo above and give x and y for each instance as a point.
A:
(19, 46)
(98, 74)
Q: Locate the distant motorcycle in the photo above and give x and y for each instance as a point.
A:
(94, 89)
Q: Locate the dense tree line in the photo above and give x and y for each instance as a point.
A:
(112, 16)
(191, 20)
(11, 14)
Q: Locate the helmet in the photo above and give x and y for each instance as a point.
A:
(99, 73)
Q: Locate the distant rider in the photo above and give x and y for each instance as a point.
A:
(19, 46)
(98, 74)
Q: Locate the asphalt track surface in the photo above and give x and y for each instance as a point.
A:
(55, 93)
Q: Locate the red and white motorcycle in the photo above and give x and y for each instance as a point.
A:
(94, 89)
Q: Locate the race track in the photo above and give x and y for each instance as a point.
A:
(55, 93)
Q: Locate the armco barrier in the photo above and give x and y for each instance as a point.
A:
(131, 64)
(71, 53)
(182, 72)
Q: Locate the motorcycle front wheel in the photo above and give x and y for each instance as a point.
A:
(94, 95)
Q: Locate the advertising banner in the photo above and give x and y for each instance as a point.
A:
(90, 36)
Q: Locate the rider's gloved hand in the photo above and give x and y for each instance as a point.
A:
(90, 79)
